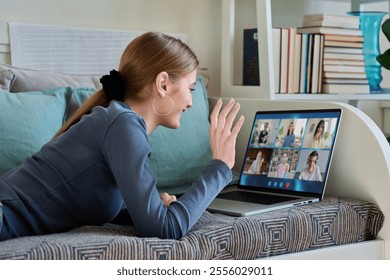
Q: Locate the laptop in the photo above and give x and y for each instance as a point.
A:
(286, 164)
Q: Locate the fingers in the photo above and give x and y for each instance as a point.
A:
(167, 199)
(231, 117)
(217, 115)
(222, 132)
(236, 129)
(172, 198)
(222, 120)
(214, 114)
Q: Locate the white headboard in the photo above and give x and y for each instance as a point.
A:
(5, 51)
(71, 50)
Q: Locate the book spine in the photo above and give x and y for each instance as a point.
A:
(283, 61)
(291, 59)
(251, 73)
(297, 63)
(303, 63)
(321, 64)
(310, 64)
(276, 37)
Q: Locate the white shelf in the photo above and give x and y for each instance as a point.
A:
(266, 90)
(333, 97)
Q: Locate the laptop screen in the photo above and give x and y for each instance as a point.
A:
(290, 151)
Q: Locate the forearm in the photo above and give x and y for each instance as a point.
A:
(204, 189)
(155, 220)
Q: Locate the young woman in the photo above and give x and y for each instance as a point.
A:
(317, 141)
(96, 168)
(289, 139)
(255, 167)
(283, 167)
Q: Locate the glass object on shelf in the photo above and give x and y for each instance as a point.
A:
(370, 23)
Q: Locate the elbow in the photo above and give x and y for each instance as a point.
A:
(165, 232)
(172, 235)
(168, 227)
(176, 222)
(161, 233)
(173, 228)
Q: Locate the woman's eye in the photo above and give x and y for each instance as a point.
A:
(192, 89)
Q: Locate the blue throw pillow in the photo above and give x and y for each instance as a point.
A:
(79, 95)
(28, 120)
(179, 155)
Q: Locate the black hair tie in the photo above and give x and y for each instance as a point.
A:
(114, 86)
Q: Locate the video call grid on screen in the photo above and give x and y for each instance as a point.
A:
(290, 151)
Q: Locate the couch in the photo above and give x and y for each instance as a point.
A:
(33, 106)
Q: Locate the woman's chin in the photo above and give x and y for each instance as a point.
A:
(173, 124)
(176, 122)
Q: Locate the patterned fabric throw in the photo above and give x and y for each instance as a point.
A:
(331, 222)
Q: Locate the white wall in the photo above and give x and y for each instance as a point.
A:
(200, 19)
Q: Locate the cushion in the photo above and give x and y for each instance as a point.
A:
(79, 95)
(179, 155)
(28, 121)
(36, 80)
(7, 77)
(15, 79)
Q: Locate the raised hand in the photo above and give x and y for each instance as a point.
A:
(222, 133)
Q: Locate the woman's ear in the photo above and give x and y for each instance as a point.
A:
(161, 82)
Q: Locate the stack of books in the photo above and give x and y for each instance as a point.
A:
(297, 61)
(343, 60)
(324, 55)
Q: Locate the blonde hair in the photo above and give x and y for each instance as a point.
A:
(143, 59)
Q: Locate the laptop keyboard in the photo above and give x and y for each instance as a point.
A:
(252, 197)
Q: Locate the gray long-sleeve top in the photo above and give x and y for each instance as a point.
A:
(86, 175)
